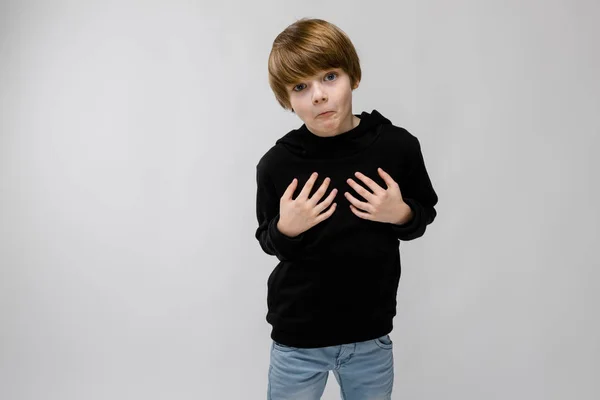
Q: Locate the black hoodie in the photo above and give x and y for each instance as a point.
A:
(337, 282)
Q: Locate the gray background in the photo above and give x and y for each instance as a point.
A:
(129, 135)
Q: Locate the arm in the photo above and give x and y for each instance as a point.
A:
(418, 194)
(271, 240)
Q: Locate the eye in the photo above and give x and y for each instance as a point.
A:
(296, 87)
(299, 88)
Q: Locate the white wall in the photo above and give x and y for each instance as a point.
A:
(129, 135)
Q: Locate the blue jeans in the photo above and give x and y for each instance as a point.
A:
(363, 370)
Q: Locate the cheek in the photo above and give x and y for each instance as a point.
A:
(301, 109)
(297, 103)
(346, 96)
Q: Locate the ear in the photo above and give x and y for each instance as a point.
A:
(356, 85)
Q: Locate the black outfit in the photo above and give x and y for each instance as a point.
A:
(337, 282)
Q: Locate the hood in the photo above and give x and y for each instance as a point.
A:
(306, 144)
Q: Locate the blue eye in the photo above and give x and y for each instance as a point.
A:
(295, 89)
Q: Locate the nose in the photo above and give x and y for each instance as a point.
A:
(319, 95)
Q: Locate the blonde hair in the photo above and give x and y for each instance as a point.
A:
(305, 48)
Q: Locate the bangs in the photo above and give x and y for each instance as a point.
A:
(295, 63)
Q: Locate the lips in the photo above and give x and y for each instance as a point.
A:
(324, 113)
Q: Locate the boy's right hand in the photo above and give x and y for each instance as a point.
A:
(298, 216)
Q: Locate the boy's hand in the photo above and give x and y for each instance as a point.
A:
(297, 216)
(383, 205)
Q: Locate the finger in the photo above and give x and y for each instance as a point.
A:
(308, 186)
(319, 193)
(287, 195)
(359, 204)
(390, 182)
(369, 182)
(361, 190)
(326, 214)
(361, 214)
(325, 203)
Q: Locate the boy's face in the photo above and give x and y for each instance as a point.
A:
(329, 90)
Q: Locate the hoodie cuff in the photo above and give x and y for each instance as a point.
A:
(413, 225)
(285, 245)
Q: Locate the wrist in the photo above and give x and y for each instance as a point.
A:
(283, 231)
(406, 214)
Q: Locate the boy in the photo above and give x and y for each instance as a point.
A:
(334, 198)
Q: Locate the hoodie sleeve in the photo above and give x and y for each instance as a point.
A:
(418, 193)
(271, 240)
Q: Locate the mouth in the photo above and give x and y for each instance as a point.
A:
(325, 113)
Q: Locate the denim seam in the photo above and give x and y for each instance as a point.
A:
(269, 383)
(341, 386)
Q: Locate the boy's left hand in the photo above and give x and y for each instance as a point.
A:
(383, 205)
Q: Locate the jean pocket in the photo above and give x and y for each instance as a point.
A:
(283, 347)
(385, 342)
